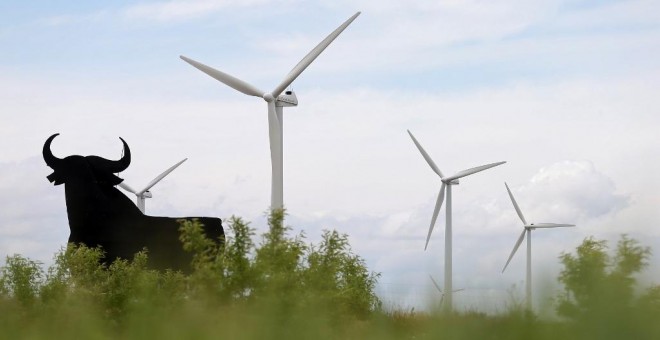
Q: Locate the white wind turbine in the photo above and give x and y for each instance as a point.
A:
(447, 182)
(527, 229)
(143, 194)
(276, 101)
(442, 294)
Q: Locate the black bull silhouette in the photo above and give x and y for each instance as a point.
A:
(100, 215)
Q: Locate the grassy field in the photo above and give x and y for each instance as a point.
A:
(284, 288)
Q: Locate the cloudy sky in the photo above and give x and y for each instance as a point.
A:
(565, 91)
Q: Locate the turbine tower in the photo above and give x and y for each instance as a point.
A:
(447, 183)
(143, 194)
(276, 101)
(527, 230)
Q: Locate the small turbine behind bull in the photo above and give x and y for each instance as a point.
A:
(143, 194)
(102, 216)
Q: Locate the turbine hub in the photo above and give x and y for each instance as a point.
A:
(268, 97)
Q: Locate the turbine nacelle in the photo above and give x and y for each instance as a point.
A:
(287, 99)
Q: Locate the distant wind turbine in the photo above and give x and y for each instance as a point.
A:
(442, 294)
(276, 101)
(527, 229)
(447, 182)
(143, 194)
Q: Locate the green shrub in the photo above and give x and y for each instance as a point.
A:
(599, 289)
(284, 287)
(21, 279)
(235, 288)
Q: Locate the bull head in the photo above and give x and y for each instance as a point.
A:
(102, 168)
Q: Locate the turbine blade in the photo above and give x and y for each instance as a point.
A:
(161, 176)
(126, 187)
(515, 205)
(309, 58)
(438, 205)
(550, 225)
(515, 248)
(426, 155)
(226, 79)
(471, 171)
(436, 284)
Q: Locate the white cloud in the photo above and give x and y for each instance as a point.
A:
(572, 191)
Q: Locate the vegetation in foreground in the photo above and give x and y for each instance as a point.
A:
(285, 288)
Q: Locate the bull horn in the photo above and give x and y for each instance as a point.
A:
(123, 163)
(50, 159)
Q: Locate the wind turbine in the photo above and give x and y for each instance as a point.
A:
(442, 294)
(143, 194)
(276, 101)
(527, 229)
(447, 183)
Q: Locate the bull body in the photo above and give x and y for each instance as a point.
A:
(100, 215)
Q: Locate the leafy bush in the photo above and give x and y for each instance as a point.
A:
(283, 270)
(599, 289)
(21, 279)
(283, 287)
(235, 288)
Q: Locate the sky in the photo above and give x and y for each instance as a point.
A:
(564, 91)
